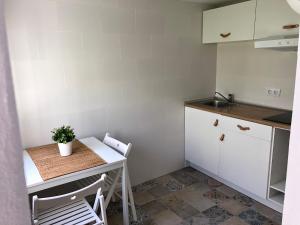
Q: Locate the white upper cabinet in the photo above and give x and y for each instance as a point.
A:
(275, 18)
(230, 23)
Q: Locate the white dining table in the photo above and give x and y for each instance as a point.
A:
(114, 160)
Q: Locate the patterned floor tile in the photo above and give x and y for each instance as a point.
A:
(253, 218)
(201, 177)
(267, 212)
(217, 215)
(117, 219)
(233, 206)
(277, 218)
(227, 191)
(185, 177)
(166, 217)
(145, 186)
(234, 221)
(170, 182)
(114, 208)
(243, 199)
(269, 222)
(180, 207)
(216, 196)
(175, 199)
(195, 198)
(141, 198)
(164, 186)
(198, 187)
(159, 191)
(144, 215)
(152, 208)
(213, 183)
(198, 219)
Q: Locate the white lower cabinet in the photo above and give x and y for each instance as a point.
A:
(235, 150)
(201, 139)
(244, 161)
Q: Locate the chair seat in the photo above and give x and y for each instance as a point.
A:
(78, 212)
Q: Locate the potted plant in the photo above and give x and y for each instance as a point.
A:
(64, 136)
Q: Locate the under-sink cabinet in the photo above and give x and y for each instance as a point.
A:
(202, 135)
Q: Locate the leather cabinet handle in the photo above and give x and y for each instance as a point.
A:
(216, 123)
(222, 137)
(225, 35)
(243, 128)
(290, 26)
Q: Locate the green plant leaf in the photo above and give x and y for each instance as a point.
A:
(63, 134)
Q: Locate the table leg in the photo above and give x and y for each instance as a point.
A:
(131, 199)
(125, 194)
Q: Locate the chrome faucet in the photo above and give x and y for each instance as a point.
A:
(229, 99)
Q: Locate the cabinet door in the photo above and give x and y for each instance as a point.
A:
(202, 139)
(275, 18)
(229, 23)
(244, 161)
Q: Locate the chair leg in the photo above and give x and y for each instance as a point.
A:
(96, 203)
(131, 199)
(112, 189)
(103, 210)
(113, 198)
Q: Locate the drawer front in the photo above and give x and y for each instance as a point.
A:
(248, 128)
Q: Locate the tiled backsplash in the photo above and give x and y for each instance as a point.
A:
(248, 73)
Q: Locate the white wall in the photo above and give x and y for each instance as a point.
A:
(292, 197)
(247, 72)
(123, 66)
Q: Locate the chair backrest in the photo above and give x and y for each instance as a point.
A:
(40, 204)
(117, 145)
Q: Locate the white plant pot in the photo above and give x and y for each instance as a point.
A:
(65, 149)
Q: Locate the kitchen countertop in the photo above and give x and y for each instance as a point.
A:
(243, 111)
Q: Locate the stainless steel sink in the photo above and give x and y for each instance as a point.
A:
(216, 103)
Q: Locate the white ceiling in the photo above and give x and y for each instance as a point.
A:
(210, 1)
(214, 2)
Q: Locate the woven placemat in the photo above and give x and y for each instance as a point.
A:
(51, 164)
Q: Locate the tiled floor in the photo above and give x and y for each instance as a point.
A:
(188, 197)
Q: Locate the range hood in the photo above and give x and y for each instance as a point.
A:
(278, 43)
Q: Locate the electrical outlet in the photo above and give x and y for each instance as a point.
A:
(275, 92)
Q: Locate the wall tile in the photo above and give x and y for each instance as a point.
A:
(149, 22)
(117, 20)
(78, 17)
(70, 45)
(136, 46)
(123, 66)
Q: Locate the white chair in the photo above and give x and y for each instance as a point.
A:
(113, 179)
(71, 208)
